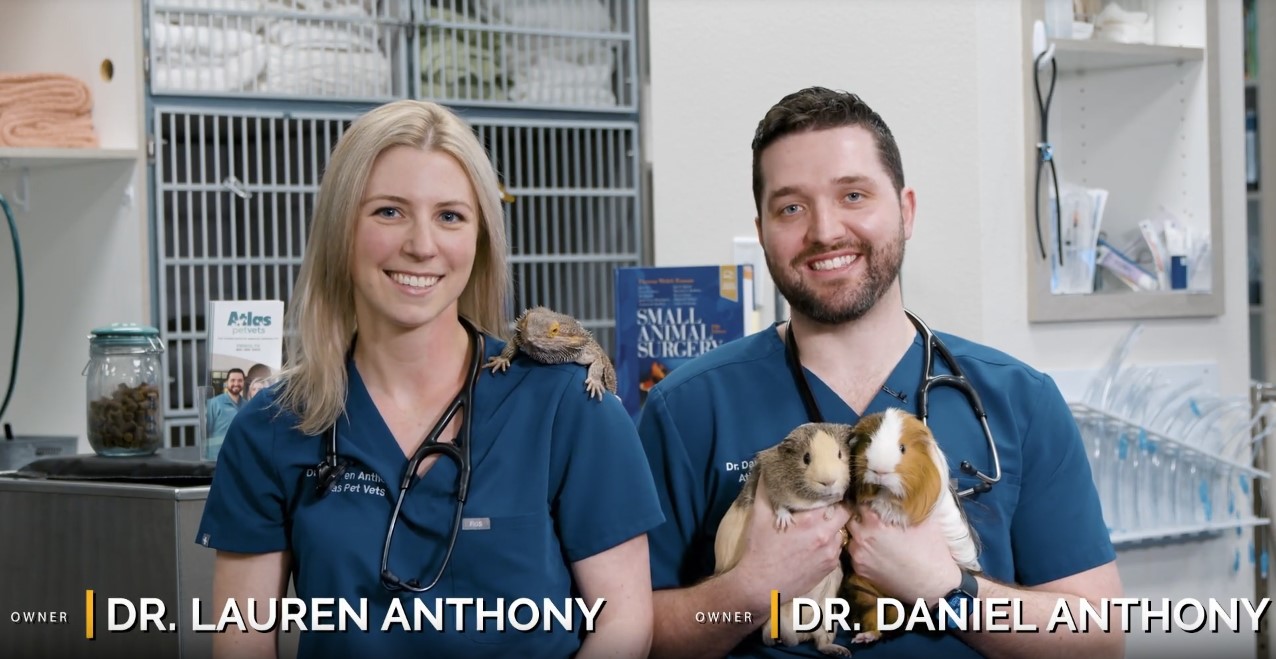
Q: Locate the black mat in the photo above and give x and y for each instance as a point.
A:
(150, 470)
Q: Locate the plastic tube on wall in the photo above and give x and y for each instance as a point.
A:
(1082, 210)
(1125, 269)
(1157, 247)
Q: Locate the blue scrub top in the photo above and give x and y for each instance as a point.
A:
(557, 477)
(702, 425)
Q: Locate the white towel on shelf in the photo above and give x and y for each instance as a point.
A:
(296, 47)
(179, 41)
(574, 96)
(334, 7)
(527, 54)
(561, 71)
(204, 58)
(558, 82)
(194, 48)
(580, 15)
(326, 72)
(556, 70)
(325, 57)
(194, 72)
(305, 34)
(187, 5)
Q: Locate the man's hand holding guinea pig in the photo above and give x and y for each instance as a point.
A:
(906, 563)
(791, 561)
(914, 563)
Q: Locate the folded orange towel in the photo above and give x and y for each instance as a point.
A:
(37, 128)
(45, 109)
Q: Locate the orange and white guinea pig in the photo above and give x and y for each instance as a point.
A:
(899, 471)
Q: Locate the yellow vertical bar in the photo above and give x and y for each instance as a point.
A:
(88, 614)
(775, 614)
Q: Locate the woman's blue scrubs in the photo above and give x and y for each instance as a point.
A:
(557, 477)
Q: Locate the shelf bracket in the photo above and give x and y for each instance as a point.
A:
(22, 198)
(1042, 48)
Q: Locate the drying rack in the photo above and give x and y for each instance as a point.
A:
(1236, 517)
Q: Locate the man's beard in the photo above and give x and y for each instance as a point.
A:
(846, 304)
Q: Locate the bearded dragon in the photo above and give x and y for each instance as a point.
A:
(550, 337)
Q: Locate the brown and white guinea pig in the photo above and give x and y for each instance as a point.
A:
(899, 471)
(808, 469)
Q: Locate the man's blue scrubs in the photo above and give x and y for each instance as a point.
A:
(557, 477)
(702, 425)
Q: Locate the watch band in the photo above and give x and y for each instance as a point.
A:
(968, 584)
(966, 591)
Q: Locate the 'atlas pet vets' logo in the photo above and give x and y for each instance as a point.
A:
(248, 323)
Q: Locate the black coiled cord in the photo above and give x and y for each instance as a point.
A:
(1045, 154)
(17, 337)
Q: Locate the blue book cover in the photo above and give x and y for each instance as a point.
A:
(667, 316)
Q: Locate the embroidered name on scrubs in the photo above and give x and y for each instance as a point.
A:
(739, 469)
(354, 481)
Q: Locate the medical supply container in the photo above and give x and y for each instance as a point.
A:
(124, 390)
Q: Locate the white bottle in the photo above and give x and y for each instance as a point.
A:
(1059, 18)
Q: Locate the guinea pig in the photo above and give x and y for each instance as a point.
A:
(808, 469)
(898, 469)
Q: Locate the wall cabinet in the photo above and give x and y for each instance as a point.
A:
(1140, 121)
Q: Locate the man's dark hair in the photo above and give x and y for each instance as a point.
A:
(817, 108)
(235, 370)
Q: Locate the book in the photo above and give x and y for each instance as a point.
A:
(245, 354)
(667, 316)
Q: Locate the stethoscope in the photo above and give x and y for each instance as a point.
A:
(957, 380)
(331, 469)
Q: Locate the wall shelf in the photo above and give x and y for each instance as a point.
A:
(1081, 412)
(1178, 533)
(1125, 304)
(1080, 55)
(18, 158)
(1122, 452)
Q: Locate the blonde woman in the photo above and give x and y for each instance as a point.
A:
(326, 477)
(259, 377)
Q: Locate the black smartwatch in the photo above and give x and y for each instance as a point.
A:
(960, 598)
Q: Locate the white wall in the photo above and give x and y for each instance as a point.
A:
(948, 79)
(913, 61)
(84, 263)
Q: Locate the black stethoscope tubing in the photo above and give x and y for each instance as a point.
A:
(957, 380)
(330, 470)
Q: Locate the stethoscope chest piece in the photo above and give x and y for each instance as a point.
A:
(329, 472)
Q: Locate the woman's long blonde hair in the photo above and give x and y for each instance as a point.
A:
(320, 320)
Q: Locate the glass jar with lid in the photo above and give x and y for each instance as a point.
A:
(123, 386)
